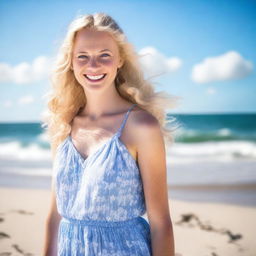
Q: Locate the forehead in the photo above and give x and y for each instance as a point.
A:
(92, 40)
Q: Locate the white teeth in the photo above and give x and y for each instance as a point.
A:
(95, 77)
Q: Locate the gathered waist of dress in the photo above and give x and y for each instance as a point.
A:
(104, 223)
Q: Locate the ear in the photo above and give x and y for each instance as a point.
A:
(121, 62)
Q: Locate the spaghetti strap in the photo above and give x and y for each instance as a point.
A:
(124, 121)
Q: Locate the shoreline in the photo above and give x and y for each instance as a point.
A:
(234, 194)
(242, 186)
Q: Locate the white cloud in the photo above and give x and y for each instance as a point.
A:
(155, 63)
(26, 100)
(211, 90)
(230, 65)
(24, 72)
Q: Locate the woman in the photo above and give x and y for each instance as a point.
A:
(108, 168)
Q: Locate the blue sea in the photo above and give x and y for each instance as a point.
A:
(212, 152)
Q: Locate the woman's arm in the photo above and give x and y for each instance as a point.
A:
(152, 162)
(51, 229)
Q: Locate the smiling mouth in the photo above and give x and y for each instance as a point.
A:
(95, 78)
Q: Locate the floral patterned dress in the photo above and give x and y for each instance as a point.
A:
(101, 200)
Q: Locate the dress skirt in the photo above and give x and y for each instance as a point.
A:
(104, 238)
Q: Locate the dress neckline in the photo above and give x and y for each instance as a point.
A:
(99, 148)
(116, 135)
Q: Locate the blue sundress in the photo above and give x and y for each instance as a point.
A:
(100, 200)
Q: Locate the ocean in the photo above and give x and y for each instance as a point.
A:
(213, 153)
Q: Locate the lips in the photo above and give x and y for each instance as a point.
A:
(94, 80)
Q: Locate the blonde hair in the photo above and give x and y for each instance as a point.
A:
(67, 96)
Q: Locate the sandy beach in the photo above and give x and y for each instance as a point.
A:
(200, 229)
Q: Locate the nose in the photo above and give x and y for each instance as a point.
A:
(92, 62)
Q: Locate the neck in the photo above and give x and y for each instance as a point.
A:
(103, 103)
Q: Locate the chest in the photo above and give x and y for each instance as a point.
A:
(89, 139)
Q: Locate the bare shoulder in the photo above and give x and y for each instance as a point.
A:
(143, 117)
(145, 126)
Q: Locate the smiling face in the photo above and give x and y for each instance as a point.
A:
(95, 58)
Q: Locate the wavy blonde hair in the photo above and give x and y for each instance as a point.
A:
(67, 96)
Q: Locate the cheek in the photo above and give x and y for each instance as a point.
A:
(78, 64)
(107, 63)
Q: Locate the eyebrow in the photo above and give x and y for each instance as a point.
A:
(100, 51)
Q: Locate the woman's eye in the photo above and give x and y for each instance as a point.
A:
(84, 56)
(81, 56)
(105, 54)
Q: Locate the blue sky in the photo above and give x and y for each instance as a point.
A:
(213, 40)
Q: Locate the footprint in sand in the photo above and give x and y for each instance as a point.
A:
(4, 235)
(22, 212)
(233, 237)
(187, 218)
(18, 249)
